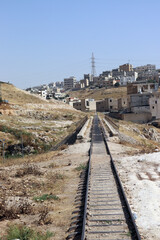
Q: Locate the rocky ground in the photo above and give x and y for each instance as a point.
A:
(39, 190)
(36, 127)
(136, 153)
(40, 193)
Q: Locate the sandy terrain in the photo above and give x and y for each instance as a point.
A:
(140, 175)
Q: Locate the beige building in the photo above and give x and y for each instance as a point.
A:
(126, 67)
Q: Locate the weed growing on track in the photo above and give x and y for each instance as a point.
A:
(45, 197)
(25, 233)
(81, 167)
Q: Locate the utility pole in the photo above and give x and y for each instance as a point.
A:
(93, 71)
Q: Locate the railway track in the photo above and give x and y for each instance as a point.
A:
(106, 214)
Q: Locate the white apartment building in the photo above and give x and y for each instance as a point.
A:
(43, 93)
(128, 79)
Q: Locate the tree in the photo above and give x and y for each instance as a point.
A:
(116, 84)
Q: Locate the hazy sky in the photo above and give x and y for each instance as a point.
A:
(42, 41)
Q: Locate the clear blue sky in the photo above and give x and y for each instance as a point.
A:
(42, 41)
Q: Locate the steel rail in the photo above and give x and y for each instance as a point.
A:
(87, 187)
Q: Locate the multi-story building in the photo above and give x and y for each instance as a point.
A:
(69, 83)
(111, 105)
(126, 67)
(127, 79)
(116, 72)
(148, 67)
(88, 78)
(107, 74)
(154, 103)
(141, 87)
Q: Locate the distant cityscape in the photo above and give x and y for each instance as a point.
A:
(107, 79)
(141, 105)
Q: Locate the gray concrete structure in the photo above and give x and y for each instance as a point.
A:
(69, 83)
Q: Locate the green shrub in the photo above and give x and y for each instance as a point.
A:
(81, 167)
(45, 197)
(24, 233)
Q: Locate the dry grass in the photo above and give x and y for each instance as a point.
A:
(43, 157)
(136, 131)
(44, 216)
(17, 96)
(102, 93)
(28, 169)
(13, 211)
(59, 180)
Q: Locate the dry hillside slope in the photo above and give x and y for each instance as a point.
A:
(101, 93)
(17, 96)
(39, 124)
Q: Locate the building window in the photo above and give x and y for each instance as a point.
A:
(156, 102)
(153, 107)
(110, 107)
(110, 100)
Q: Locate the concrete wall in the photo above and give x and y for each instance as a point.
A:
(80, 105)
(140, 109)
(108, 104)
(139, 100)
(113, 104)
(123, 103)
(137, 118)
(102, 106)
(133, 117)
(92, 105)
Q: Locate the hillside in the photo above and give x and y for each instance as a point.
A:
(17, 96)
(101, 93)
(39, 123)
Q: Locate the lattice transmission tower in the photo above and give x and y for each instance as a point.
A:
(93, 71)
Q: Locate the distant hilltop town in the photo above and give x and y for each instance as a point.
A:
(114, 78)
(142, 103)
